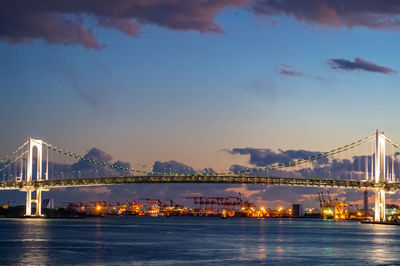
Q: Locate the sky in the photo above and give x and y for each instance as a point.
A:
(181, 80)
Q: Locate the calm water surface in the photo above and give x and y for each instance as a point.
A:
(196, 241)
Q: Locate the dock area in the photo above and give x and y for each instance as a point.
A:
(374, 222)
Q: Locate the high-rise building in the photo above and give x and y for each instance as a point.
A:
(297, 210)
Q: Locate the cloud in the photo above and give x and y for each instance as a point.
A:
(373, 14)
(74, 22)
(236, 168)
(122, 164)
(126, 26)
(63, 21)
(263, 88)
(325, 167)
(101, 191)
(97, 154)
(208, 171)
(20, 24)
(288, 71)
(173, 167)
(243, 190)
(93, 170)
(359, 64)
(94, 98)
(264, 157)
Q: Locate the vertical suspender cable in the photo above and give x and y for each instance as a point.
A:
(47, 163)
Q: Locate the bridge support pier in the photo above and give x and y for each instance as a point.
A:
(28, 205)
(380, 207)
(37, 201)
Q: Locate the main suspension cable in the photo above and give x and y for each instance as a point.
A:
(13, 161)
(7, 157)
(274, 166)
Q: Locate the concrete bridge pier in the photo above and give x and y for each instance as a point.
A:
(37, 201)
(380, 207)
(28, 204)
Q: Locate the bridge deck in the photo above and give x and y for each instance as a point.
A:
(120, 180)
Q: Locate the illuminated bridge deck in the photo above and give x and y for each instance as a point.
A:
(198, 179)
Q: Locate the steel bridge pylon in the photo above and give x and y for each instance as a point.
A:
(380, 176)
(38, 144)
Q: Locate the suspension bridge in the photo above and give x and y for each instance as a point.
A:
(367, 164)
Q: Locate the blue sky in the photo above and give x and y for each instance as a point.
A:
(185, 95)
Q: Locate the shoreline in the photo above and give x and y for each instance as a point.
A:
(383, 223)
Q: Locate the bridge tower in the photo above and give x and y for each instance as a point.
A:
(38, 144)
(380, 177)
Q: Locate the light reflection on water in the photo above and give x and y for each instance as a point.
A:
(186, 240)
(32, 235)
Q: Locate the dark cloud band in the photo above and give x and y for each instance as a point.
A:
(374, 14)
(359, 64)
(62, 21)
(66, 22)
